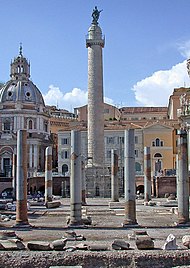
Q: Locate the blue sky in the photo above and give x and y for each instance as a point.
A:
(147, 43)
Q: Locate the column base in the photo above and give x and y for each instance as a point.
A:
(76, 225)
(130, 223)
(22, 225)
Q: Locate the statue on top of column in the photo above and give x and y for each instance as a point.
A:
(95, 15)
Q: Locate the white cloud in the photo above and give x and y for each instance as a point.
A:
(109, 101)
(184, 48)
(156, 89)
(68, 101)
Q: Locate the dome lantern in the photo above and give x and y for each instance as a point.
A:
(20, 68)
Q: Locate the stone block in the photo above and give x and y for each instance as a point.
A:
(59, 244)
(39, 245)
(120, 244)
(53, 204)
(144, 242)
(186, 241)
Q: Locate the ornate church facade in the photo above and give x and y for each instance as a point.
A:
(22, 107)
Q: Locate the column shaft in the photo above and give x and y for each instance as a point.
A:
(147, 174)
(129, 177)
(83, 179)
(114, 176)
(21, 204)
(14, 176)
(183, 179)
(75, 187)
(48, 175)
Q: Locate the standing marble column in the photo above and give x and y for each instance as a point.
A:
(21, 204)
(31, 156)
(75, 183)
(129, 177)
(36, 157)
(183, 179)
(48, 175)
(114, 176)
(14, 176)
(83, 179)
(147, 174)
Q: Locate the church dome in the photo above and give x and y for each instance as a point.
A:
(20, 89)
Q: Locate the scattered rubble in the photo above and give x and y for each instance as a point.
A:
(170, 243)
(186, 241)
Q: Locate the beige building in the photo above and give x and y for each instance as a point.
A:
(155, 127)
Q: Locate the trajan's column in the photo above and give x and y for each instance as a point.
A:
(95, 42)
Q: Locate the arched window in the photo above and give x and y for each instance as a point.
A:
(157, 142)
(64, 169)
(158, 155)
(46, 127)
(30, 124)
(7, 125)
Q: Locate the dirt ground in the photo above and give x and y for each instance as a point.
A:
(158, 221)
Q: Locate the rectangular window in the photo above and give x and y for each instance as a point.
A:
(136, 153)
(136, 139)
(110, 140)
(108, 154)
(65, 154)
(121, 140)
(106, 111)
(64, 141)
